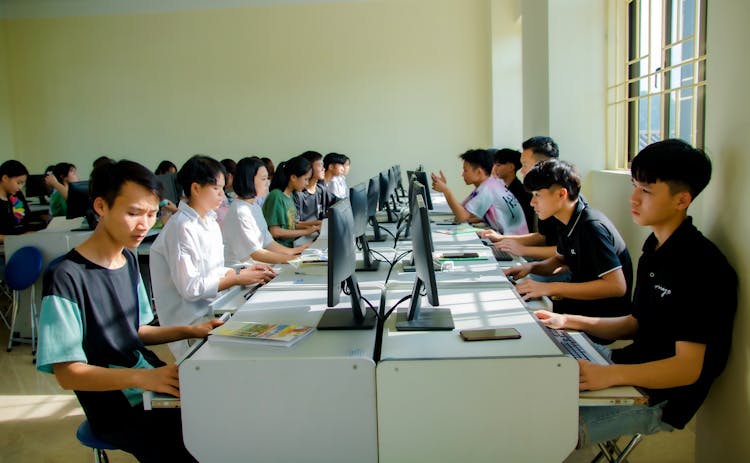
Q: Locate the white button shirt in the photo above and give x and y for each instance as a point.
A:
(245, 231)
(186, 262)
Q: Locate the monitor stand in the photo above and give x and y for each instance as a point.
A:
(343, 319)
(373, 267)
(428, 320)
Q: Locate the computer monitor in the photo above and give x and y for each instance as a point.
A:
(416, 188)
(358, 201)
(416, 318)
(421, 177)
(373, 195)
(36, 188)
(341, 268)
(393, 179)
(386, 192)
(79, 203)
(170, 188)
(399, 182)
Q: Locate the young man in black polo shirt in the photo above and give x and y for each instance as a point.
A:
(94, 323)
(588, 244)
(681, 324)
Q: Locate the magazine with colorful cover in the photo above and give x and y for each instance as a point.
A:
(266, 333)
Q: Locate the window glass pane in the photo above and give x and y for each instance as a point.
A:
(672, 119)
(656, 119)
(686, 17)
(687, 97)
(642, 123)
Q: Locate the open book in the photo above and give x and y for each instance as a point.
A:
(275, 334)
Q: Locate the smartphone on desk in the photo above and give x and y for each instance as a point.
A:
(460, 255)
(489, 334)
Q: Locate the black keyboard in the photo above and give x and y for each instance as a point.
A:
(568, 344)
(500, 255)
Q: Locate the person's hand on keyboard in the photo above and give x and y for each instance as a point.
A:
(490, 234)
(256, 273)
(510, 246)
(517, 271)
(532, 289)
(551, 319)
(592, 376)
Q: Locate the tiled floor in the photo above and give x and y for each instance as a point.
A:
(38, 421)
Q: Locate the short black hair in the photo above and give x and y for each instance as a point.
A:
(297, 166)
(102, 160)
(244, 177)
(554, 172)
(506, 155)
(312, 156)
(199, 169)
(61, 170)
(544, 146)
(230, 165)
(164, 167)
(675, 163)
(333, 158)
(13, 168)
(479, 158)
(269, 165)
(107, 180)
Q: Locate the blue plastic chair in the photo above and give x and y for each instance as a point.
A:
(87, 437)
(21, 272)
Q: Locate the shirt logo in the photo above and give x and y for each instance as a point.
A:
(664, 291)
(572, 252)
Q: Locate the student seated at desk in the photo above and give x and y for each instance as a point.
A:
(245, 231)
(62, 174)
(335, 170)
(542, 241)
(187, 258)
(94, 322)
(313, 201)
(588, 244)
(278, 208)
(681, 321)
(15, 215)
(491, 201)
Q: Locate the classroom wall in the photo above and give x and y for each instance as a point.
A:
(385, 81)
(507, 75)
(6, 118)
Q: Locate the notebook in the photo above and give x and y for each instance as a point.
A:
(578, 345)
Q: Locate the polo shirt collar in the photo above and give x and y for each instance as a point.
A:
(575, 217)
(683, 233)
(192, 214)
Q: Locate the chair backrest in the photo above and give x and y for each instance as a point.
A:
(23, 268)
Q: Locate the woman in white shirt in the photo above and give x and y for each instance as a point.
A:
(187, 258)
(245, 230)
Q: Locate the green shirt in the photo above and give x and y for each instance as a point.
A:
(279, 210)
(58, 207)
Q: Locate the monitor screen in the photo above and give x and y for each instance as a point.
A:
(170, 188)
(358, 199)
(36, 187)
(416, 318)
(373, 195)
(341, 267)
(79, 203)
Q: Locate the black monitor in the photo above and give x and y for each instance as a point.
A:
(79, 203)
(416, 318)
(421, 177)
(399, 183)
(170, 188)
(373, 195)
(393, 179)
(360, 212)
(341, 265)
(386, 193)
(36, 188)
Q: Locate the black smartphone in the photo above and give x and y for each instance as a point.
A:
(460, 255)
(488, 334)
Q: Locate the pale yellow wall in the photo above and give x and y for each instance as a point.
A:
(6, 132)
(384, 81)
(507, 79)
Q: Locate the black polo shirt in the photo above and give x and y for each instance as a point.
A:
(312, 206)
(674, 300)
(524, 199)
(592, 247)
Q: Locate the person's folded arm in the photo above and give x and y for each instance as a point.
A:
(612, 328)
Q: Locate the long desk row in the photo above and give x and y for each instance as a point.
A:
(431, 397)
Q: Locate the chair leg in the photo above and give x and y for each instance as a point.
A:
(34, 322)
(13, 320)
(100, 456)
(629, 448)
(612, 452)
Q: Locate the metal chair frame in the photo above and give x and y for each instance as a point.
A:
(612, 452)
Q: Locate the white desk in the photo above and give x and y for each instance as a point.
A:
(312, 402)
(443, 399)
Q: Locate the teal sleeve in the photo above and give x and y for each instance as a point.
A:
(58, 207)
(60, 334)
